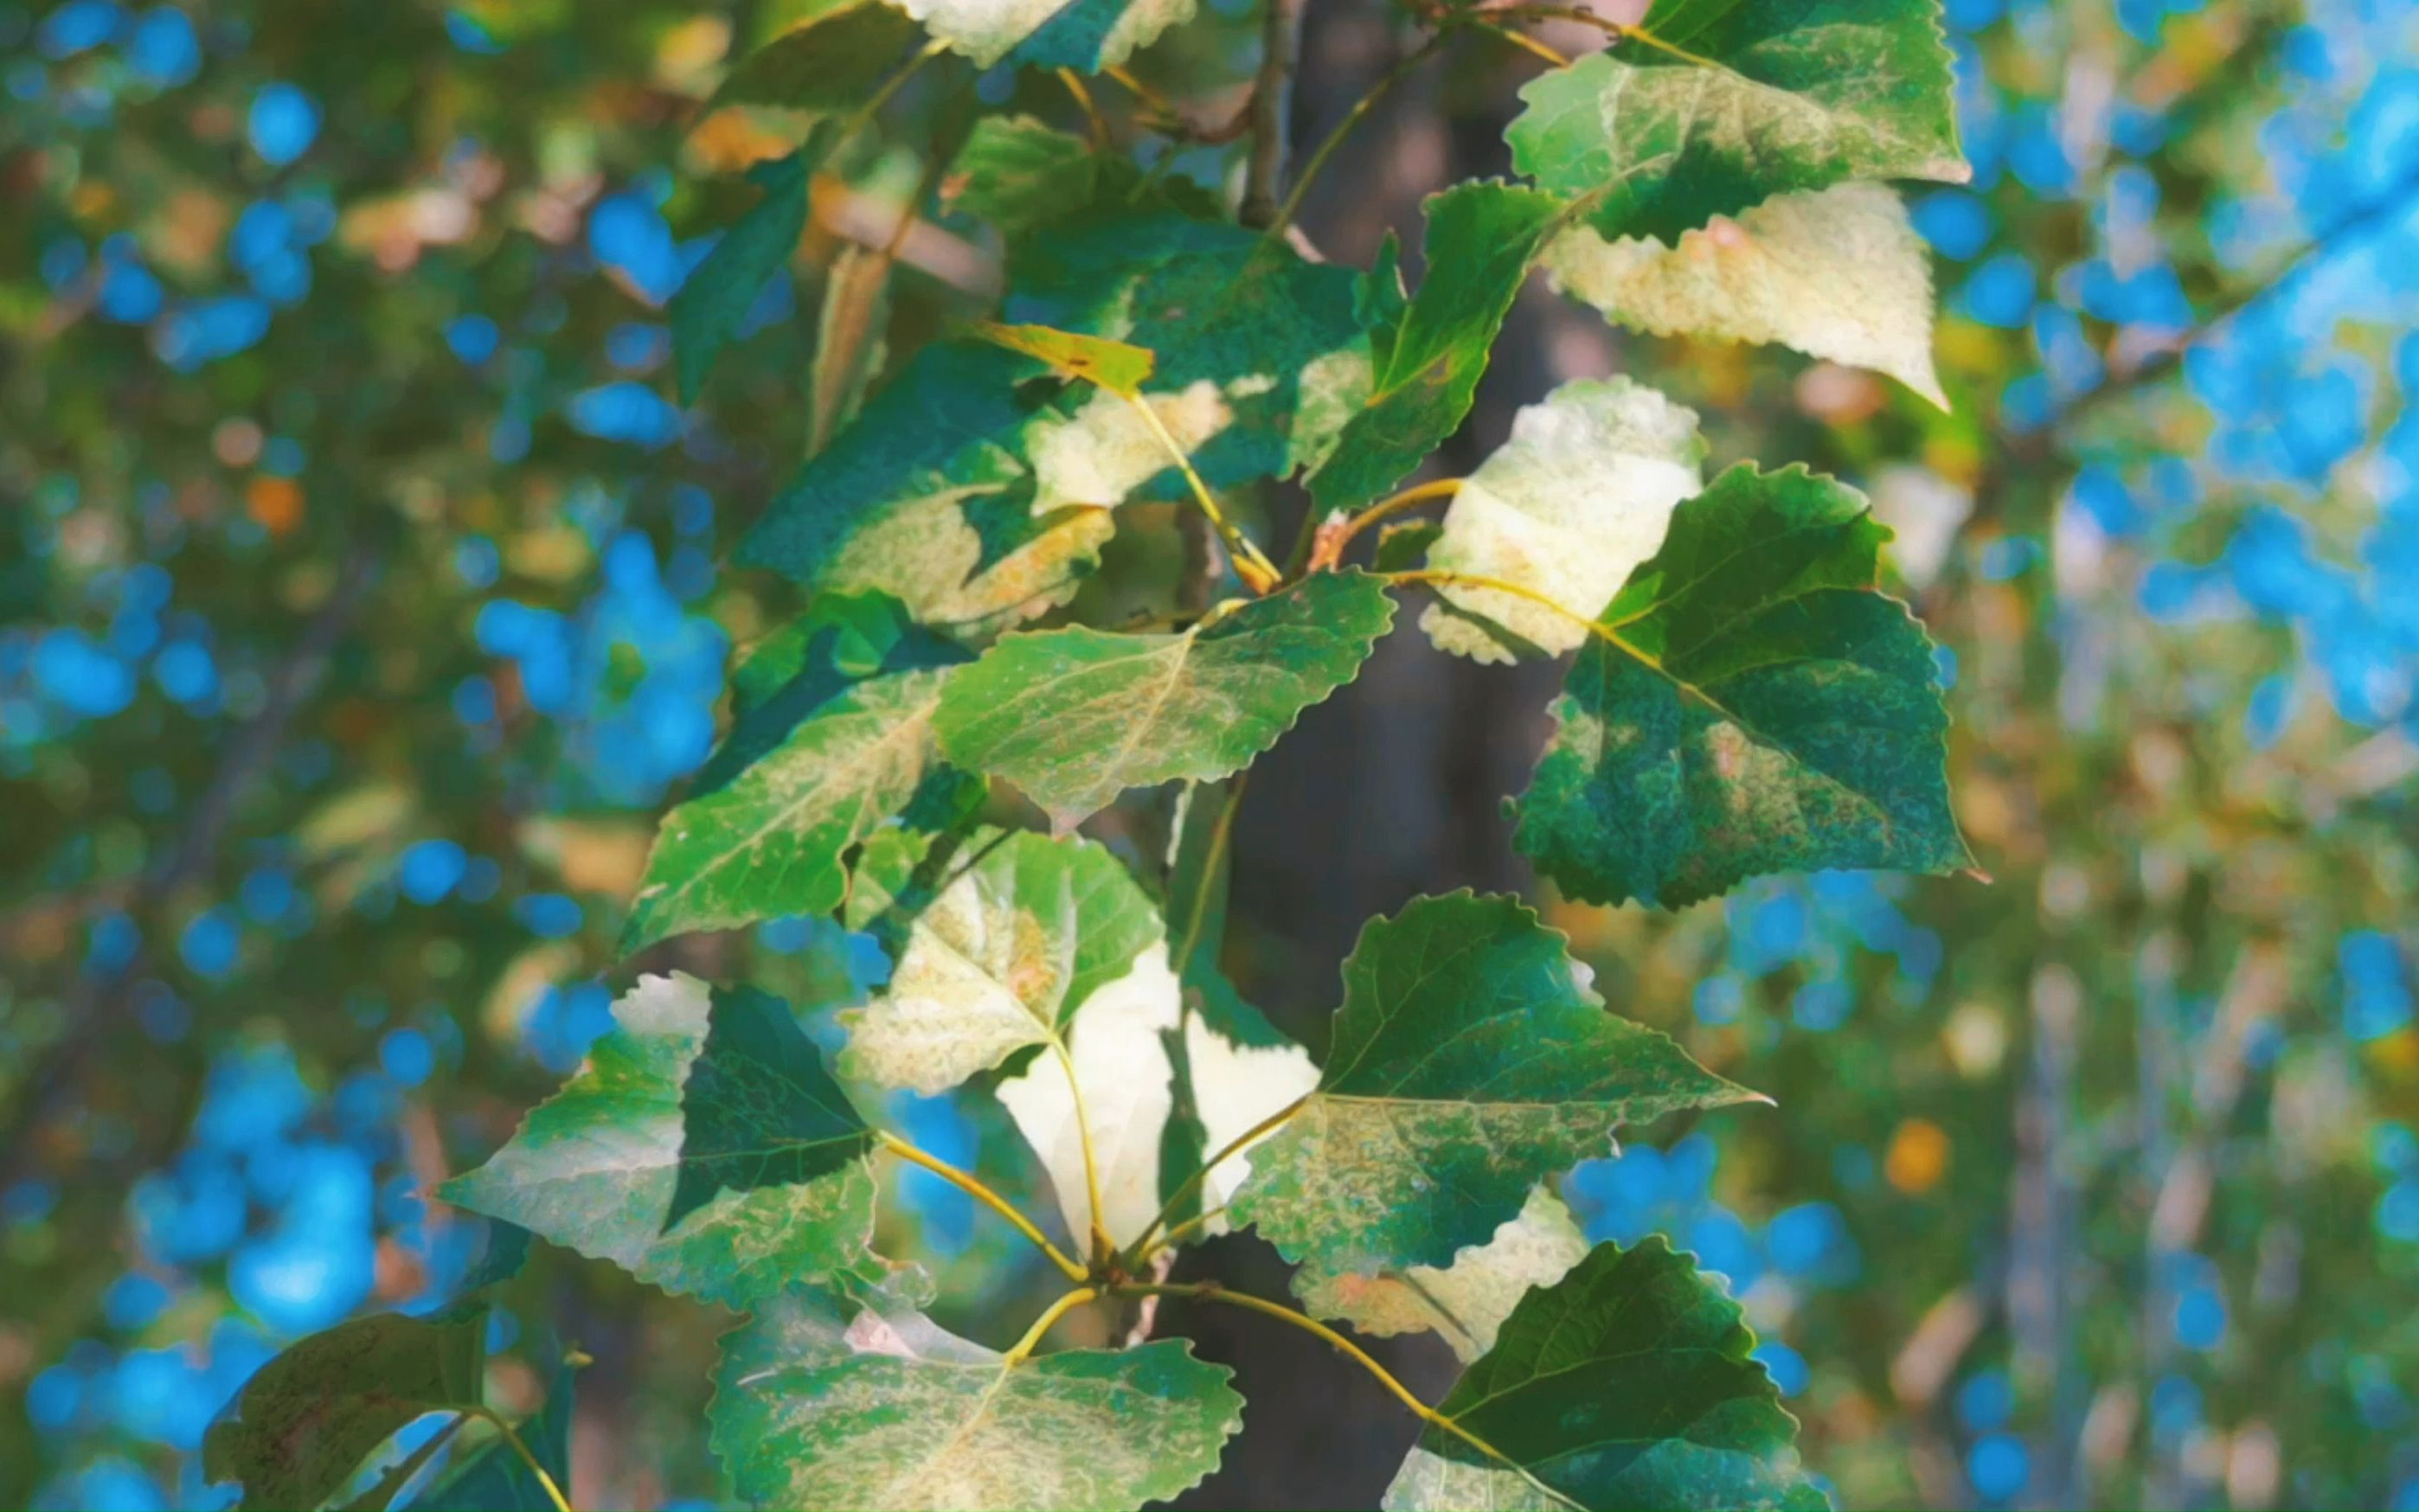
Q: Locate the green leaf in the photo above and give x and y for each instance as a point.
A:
(1481, 240)
(1085, 35)
(1625, 1384)
(305, 1422)
(1771, 96)
(758, 1110)
(1765, 710)
(840, 638)
(716, 296)
(1120, 1045)
(1838, 274)
(803, 777)
(603, 1166)
(1261, 359)
(1468, 1064)
(1577, 498)
(832, 63)
(1028, 930)
(494, 1479)
(1074, 717)
(978, 497)
(926, 496)
(1466, 1301)
(1022, 174)
(821, 1402)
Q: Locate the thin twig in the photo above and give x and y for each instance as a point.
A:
(1193, 1183)
(1527, 43)
(1352, 118)
(975, 1189)
(554, 1492)
(1092, 117)
(92, 1007)
(1102, 1245)
(1258, 573)
(1271, 96)
(1174, 1238)
(1409, 499)
(1050, 1315)
(882, 97)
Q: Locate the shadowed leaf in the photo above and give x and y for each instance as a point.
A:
(304, 1422)
(1625, 1384)
(1766, 710)
(600, 1167)
(1480, 239)
(1468, 1064)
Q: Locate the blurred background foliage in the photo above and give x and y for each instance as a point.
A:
(363, 596)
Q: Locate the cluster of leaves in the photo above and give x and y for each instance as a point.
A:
(1745, 700)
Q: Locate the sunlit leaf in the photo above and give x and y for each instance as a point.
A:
(1761, 98)
(1837, 274)
(1028, 930)
(821, 1402)
(1566, 508)
(1074, 717)
(804, 774)
(927, 497)
(1124, 1064)
(1260, 357)
(1200, 857)
(1088, 35)
(1120, 368)
(1022, 174)
(1465, 1302)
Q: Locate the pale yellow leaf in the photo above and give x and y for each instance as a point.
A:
(1837, 274)
(1567, 508)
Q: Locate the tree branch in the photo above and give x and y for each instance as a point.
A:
(1271, 99)
(96, 1000)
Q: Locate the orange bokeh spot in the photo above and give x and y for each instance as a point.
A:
(1917, 1158)
(274, 504)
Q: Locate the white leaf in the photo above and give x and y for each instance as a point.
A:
(1017, 942)
(1837, 274)
(1106, 450)
(1567, 508)
(1109, 30)
(1121, 1064)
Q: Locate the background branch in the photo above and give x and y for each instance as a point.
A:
(97, 1002)
(1272, 101)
